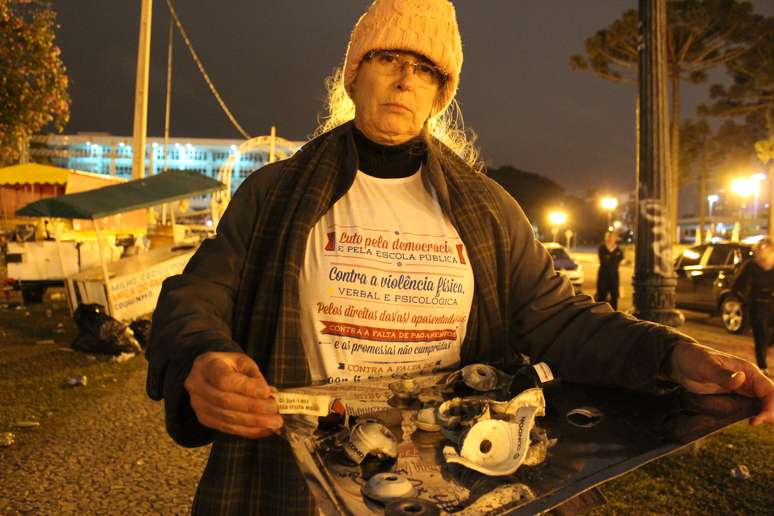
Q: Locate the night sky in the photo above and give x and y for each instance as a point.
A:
(269, 58)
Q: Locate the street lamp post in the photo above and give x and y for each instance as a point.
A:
(141, 92)
(712, 199)
(757, 179)
(654, 277)
(744, 187)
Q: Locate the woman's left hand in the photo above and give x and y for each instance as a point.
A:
(705, 370)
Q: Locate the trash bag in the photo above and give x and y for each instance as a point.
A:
(142, 330)
(100, 333)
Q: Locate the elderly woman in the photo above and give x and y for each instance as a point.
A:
(378, 249)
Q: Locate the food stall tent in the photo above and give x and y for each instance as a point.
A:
(129, 285)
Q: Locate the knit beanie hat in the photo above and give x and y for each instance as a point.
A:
(426, 27)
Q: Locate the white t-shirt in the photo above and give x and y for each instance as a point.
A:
(386, 286)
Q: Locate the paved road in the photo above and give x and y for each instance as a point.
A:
(705, 328)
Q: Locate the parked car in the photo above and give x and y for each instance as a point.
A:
(705, 274)
(565, 264)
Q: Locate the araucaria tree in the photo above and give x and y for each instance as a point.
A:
(33, 80)
(752, 87)
(751, 93)
(702, 34)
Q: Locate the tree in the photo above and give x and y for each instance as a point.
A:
(537, 195)
(702, 34)
(752, 88)
(736, 141)
(698, 155)
(706, 156)
(534, 193)
(751, 93)
(33, 80)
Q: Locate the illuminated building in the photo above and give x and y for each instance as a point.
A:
(103, 153)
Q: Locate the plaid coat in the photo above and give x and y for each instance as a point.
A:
(240, 293)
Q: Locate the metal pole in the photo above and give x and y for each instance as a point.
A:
(770, 179)
(105, 273)
(169, 99)
(172, 221)
(654, 278)
(60, 253)
(141, 91)
(57, 239)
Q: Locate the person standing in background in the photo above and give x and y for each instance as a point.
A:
(610, 257)
(755, 284)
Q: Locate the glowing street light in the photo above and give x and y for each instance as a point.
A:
(556, 219)
(609, 204)
(744, 187)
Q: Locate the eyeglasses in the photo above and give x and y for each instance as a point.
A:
(392, 63)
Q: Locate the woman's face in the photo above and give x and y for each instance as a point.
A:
(392, 106)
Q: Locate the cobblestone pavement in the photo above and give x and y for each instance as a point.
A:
(112, 458)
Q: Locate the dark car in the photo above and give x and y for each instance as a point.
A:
(704, 277)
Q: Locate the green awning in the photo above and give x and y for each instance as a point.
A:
(140, 193)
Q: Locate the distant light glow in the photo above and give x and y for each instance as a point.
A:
(557, 218)
(713, 198)
(744, 186)
(609, 203)
(617, 224)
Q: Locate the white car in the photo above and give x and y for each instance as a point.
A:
(565, 264)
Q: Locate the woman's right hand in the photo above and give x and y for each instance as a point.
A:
(229, 393)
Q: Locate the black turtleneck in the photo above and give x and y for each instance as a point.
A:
(388, 161)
